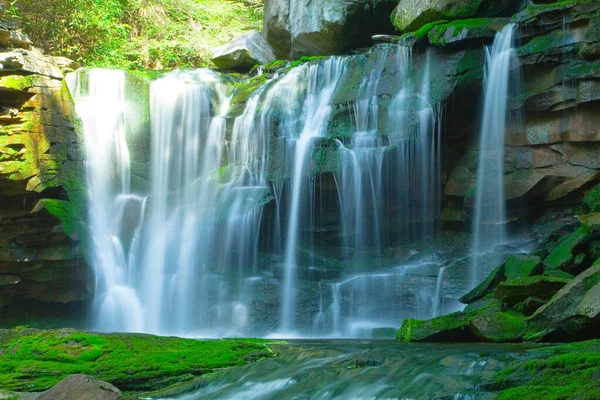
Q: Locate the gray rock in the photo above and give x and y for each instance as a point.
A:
(81, 387)
(579, 299)
(244, 52)
(297, 28)
(410, 15)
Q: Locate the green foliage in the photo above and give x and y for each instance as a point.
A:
(136, 34)
(38, 360)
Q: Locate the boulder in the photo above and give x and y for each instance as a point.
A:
(487, 324)
(297, 28)
(522, 266)
(244, 52)
(485, 287)
(530, 305)
(573, 308)
(518, 290)
(563, 255)
(410, 15)
(81, 387)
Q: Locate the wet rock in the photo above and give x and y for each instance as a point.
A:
(82, 387)
(497, 276)
(573, 310)
(530, 305)
(516, 291)
(522, 266)
(244, 52)
(487, 324)
(466, 32)
(563, 255)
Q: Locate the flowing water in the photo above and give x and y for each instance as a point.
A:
(361, 370)
(265, 222)
(490, 208)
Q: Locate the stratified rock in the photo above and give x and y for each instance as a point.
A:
(244, 52)
(66, 65)
(516, 291)
(41, 190)
(574, 309)
(410, 15)
(297, 28)
(82, 387)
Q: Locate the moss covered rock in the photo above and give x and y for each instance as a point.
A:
(410, 15)
(518, 290)
(465, 32)
(486, 287)
(522, 266)
(563, 255)
(486, 324)
(573, 311)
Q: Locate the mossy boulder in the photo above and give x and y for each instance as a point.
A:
(486, 287)
(131, 362)
(410, 15)
(562, 256)
(573, 311)
(518, 290)
(465, 32)
(486, 324)
(522, 266)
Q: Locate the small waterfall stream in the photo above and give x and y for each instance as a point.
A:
(490, 208)
(226, 236)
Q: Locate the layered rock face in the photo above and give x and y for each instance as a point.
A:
(297, 28)
(551, 146)
(41, 185)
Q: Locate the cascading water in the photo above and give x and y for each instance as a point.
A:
(196, 253)
(490, 208)
(116, 306)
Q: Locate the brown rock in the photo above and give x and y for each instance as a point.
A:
(82, 387)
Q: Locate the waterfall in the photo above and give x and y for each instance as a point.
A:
(489, 219)
(100, 97)
(322, 81)
(231, 226)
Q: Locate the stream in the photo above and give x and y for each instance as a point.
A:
(361, 370)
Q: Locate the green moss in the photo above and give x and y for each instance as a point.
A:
(475, 26)
(521, 266)
(425, 29)
(544, 43)
(66, 212)
(38, 360)
(562, 255)
(17, 82)
(555, 373)
(592, 200)
(305, 59)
